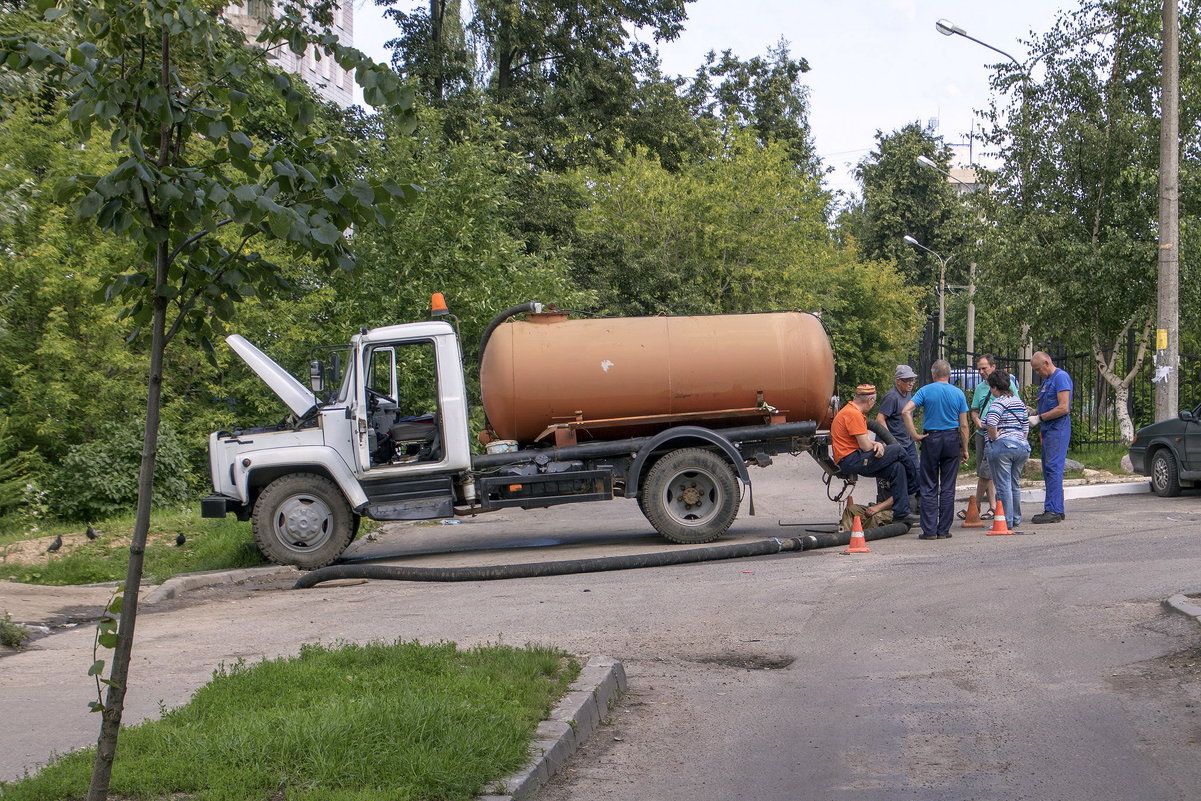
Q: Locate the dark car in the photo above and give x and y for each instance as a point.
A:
(1169, 452)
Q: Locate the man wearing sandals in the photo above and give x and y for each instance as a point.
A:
(981, 400)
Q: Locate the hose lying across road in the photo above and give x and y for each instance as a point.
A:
(735, 550)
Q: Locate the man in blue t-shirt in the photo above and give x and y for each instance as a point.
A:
(944, 447)
(1054, 406)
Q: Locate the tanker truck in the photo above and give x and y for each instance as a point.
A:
(667, 411)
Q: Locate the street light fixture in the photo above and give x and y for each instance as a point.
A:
(942, 286)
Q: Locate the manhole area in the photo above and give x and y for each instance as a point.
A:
(746, 661)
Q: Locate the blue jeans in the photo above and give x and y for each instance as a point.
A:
(939, 469)
(893, 465)
(1055, 452)
(1007, 458)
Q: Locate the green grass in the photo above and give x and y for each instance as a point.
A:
(376, 722)
(210, 545)
(11, 634)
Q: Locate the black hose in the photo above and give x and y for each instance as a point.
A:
(523, 308)
(736, 550)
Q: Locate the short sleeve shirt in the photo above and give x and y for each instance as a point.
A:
(1048, 399)
(941, 405)
(982, 398)
(1008, 415)
(891, 408)
(848, 423)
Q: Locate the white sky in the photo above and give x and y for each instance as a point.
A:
(875, 64)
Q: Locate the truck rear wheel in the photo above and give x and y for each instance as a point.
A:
(302, 520)
(690, 496)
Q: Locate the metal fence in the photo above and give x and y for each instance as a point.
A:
(1093, 410)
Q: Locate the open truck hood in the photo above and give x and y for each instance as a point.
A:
(299, 398)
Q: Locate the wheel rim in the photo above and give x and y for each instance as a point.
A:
(303, 523)
(1159, 472)
(692, 497)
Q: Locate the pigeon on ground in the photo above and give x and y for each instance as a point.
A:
(180, 540)
(91, 533)
(54, 546)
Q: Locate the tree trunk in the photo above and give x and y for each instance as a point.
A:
(1121, 385)
(114, 700)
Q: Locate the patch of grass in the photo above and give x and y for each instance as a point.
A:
(1101, 457)
(376, 722)
(11, 634)
(209, 545)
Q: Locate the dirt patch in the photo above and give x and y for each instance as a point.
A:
(747, 661)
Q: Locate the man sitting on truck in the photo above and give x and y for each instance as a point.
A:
(858, 454)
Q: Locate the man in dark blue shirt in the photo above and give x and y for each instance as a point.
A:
(890, 417)
(944, 448)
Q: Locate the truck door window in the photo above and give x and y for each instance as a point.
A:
(409, 428)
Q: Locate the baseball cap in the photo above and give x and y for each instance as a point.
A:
(905, 372)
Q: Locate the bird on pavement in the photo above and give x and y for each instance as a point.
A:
(180, 540)
(91, 533)
(54, 546)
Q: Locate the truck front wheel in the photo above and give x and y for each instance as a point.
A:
(302, 520)
(690, 496)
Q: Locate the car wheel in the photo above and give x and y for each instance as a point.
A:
(1165, 476)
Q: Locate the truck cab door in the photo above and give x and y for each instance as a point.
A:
(409, 406)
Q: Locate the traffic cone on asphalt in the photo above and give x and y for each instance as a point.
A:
(858, 543)
(999, 525)
(972, 518)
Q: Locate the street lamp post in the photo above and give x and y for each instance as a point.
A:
(970, 329)
(942, 287)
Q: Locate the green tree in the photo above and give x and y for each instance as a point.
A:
(1078, 240)
(742, 232)
(193, 192)
(902, 197)
(761, 93)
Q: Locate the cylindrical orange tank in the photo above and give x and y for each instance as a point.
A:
(547, 368)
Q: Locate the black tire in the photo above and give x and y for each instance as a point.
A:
(1165, 475)
(690, 496)
(302, 519)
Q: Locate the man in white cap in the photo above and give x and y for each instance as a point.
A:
(890, 417)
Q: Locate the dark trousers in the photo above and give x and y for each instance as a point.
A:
(893, 465)
(939, 469)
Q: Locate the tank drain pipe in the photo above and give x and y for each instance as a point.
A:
(736, 550)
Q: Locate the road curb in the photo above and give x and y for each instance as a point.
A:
(172, 587)
(578, 714)
(1184, 605)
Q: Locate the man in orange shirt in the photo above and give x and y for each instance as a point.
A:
(857, 453)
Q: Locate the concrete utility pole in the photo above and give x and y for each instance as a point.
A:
(1167, 333)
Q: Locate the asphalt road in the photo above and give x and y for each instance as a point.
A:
(1038, 666)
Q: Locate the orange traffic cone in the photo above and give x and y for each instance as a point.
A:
(972, 518)
(858, 543)
(999, 525)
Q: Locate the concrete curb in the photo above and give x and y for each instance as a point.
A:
(194, 581)
(573, 721)
(1184, 605)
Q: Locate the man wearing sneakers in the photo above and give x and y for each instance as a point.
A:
(857, 453)
(1054, 405)
(944, 447)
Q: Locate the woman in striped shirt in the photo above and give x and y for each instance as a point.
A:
(1008, 425)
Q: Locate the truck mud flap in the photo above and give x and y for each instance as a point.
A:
(545, 489)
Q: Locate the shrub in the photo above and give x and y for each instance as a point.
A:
(99, 478)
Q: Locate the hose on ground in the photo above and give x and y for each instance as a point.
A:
(737, 550)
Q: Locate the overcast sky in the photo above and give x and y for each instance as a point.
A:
(875, 64)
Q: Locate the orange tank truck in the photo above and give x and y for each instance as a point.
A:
(609, 376)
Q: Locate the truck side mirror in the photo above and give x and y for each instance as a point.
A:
(316, 375)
